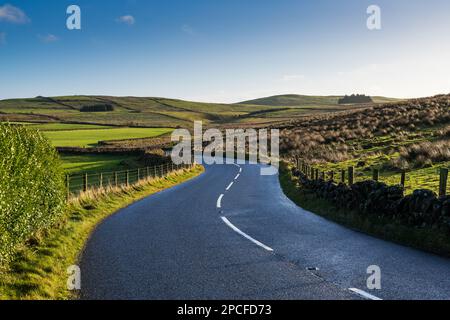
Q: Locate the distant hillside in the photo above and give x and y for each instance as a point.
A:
(163, 112)
(294, 100)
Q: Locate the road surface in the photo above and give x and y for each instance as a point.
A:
(231, 233)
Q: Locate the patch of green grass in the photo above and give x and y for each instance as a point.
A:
(427, 239)
(95, 162)
(85, 138)
(39, 270)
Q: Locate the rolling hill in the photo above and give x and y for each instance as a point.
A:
(294, 100)
(163, 112)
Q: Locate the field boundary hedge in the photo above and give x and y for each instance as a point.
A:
(31, 186)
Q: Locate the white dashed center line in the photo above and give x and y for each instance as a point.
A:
(364, 294)
(219, 201)
(246, 236)
(233, 227)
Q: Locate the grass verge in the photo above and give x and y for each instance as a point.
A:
(39, 270)
(427, 239)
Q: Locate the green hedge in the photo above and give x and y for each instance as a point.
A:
(32, 188)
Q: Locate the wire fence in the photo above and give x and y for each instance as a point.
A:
(349, 176)
(78, 183)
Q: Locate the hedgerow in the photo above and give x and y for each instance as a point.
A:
(32, 188)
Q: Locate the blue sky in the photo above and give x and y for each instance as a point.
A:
(224, 50)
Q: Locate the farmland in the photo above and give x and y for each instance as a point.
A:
(91, 137)
(83, 135)
(96, 162)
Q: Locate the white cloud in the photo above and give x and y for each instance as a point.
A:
(13, 14)
(127, 19)
(188, 29)
(2, 38)
(48, 38)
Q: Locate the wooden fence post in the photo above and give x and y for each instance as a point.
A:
(343, 176)
(127, 178)
(351, 175)
(376, 175)
(443, 182)
(403, 179)
(101, 180)
(148, 172)
(85, 182)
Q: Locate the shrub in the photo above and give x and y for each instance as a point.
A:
(32, 188)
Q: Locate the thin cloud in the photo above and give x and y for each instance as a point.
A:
(9, 13)
(48, 38)
(187, 29)
(127, 19)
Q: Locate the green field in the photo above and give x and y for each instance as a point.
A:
(91, 137)
(73, 164)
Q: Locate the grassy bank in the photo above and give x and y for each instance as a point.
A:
(39, 271)
(426, 239)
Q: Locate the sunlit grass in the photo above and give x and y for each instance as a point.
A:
(95, 162)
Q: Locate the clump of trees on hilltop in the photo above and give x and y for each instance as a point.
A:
(355, 98)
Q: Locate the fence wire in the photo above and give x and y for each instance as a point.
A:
(78, 183)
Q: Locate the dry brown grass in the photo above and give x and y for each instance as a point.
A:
(423, 154)
(324, 138)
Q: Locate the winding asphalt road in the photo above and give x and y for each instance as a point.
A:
(231, 233)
